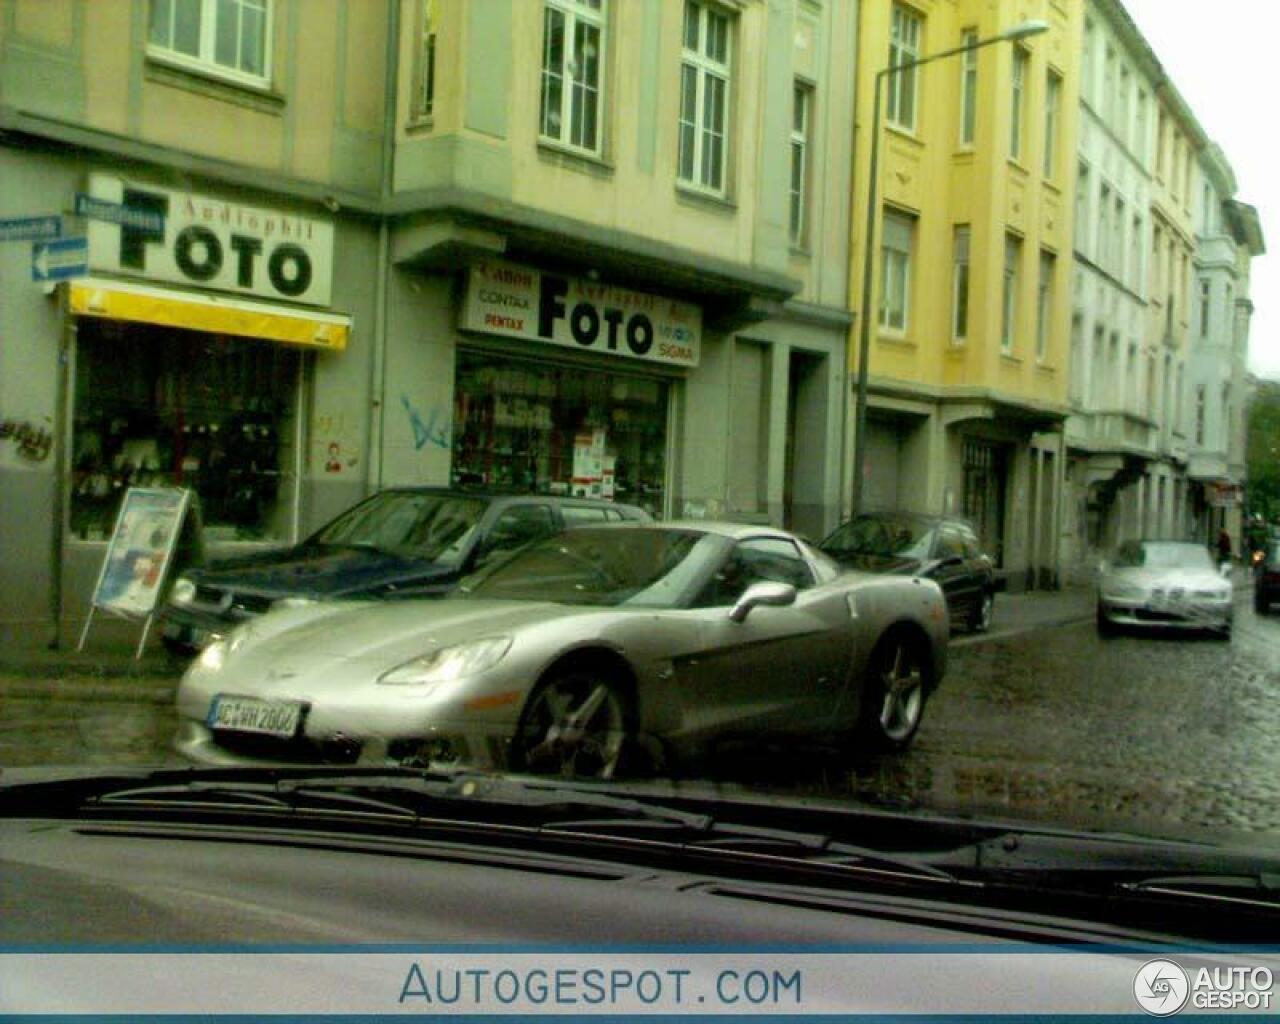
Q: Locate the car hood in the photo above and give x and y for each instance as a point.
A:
(383, 635)
(1191, 579)
(313, 571)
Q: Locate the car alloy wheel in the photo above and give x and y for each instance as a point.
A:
(575, 726)
(897, 687)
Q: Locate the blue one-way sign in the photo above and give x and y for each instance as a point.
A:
(59, 259)
(30, 229)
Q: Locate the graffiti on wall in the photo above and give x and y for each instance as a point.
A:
(33, 442)
(435, 430)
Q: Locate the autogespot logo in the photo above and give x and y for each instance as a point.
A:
(1161, 987)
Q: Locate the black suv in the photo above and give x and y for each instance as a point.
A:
(401, 543)
(939, 548)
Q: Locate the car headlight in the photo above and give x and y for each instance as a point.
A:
(183, 592)
(213, 657)
(450, 663)
(1117, 591)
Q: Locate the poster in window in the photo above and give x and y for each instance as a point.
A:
(140, 550)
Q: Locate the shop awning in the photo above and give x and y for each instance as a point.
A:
(120, 300)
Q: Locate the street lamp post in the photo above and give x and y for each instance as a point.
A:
(1021, 31)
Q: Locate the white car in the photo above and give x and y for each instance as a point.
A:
(1163, 583)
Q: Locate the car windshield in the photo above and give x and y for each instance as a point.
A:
(896, 537)
(412, 525)
(640, 568)
(1158, 555)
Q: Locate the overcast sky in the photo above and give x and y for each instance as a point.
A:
(1224, 57)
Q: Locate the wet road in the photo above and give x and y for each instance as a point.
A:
(1053, 725)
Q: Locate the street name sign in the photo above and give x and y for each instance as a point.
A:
(118, 213)
(30, 229)
(60, 259)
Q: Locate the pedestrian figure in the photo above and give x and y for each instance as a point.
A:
(1224, 546)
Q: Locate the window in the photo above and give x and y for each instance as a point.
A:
(1122, 107)
(1086, 61)
(1009, 306)
(231, 38)
(1044, 305)
(758, 560)
(968, 87)
(704, 97)
(1140, 127)
(904, 47)
(1135, 252)
(1052, 91)
(801, 117)
(895, 277)
(1019, 86)
(960, 284)
(572, 48)
(1103, 251)
(425, 99)
(1160, 143)
(1076, 386)
(518, 526)
(1109, 86)
(1117, 240)
(1082, 208)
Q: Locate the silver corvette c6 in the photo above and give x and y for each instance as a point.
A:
(577, 655)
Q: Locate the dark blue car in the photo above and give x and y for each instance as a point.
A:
(402, 543)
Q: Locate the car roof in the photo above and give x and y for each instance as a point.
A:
(484, 494)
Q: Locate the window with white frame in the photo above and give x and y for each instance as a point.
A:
(968, 87)
(1135, 252)
(1017, 100)
(1206, 293)
(895, 266)
(1200, 403)
(1117, 241)
(801, 120)
(572, 73)
(1076, 386)
(1140, 127)
(960, 283)
(1086, 61)
(1009, 303)
(1103, 250)
(1044, 304)
(904, 47)
(227, 38)
(1052, 95)
(425, 94)
(1109, 85)
(1083, 224)
(1122, 106)
(704, 96)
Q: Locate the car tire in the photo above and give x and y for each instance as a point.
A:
(899, 680)
(552, 739)
(980, 617)
(1105, 626)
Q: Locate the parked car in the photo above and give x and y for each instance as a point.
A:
(1163, 583)
(1266, 577)
(575, 652)
(941, 548)
(399, 543)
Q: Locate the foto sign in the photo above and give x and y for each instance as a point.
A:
(204, 241)
(516, 301)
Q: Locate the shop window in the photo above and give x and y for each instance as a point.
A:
(157, 407)
(546, 429)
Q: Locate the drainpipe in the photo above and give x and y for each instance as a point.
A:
(378, 372)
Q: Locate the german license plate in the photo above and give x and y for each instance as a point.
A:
(252, 714)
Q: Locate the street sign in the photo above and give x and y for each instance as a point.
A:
(118, 213)
(30, 229)
(60, 259)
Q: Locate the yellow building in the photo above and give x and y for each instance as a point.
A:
(969, 345)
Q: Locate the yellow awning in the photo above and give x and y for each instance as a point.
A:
(118, 300)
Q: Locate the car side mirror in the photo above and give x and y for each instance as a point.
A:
(768, 593)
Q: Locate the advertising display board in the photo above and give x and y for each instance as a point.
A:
(139, 554)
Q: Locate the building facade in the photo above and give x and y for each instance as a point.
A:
(335, 247)
(969, 356)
